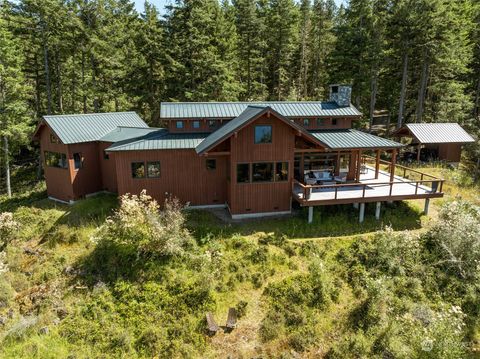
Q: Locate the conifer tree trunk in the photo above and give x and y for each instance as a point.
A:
(476, 106)
(84, 96)
(47, 72)
(7, 166)
(373, 97)
(403, 90)
(58, 68)
(422, 89)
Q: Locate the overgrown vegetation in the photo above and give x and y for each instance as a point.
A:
(108, 278)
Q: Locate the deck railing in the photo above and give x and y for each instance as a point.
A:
(433, 183)
(405, 172)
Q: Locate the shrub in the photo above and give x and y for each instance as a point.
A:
(241, 308)
(140, 224)
(8, 226)
(271, 326)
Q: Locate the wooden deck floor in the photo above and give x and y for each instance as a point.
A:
(374, 191)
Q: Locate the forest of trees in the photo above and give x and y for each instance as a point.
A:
(418, 59)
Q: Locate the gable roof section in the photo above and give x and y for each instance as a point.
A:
(160, 139)
(351, 139)
(438, 132)
(184, 110)
(90, 127)
(250, 114)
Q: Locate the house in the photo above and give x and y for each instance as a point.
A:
(255, 158)
(441, 141)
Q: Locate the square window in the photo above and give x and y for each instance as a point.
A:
(138, 169)
(263, 134)
(320, 122)
(77, 161)
(306, 122)
(106, 156)
(54, 139)
(196, 124)
(179, 124)
(211, 164)
(243, 173)
(262, 172)
(334, 122)
(334, 89)
(212, 123)
(281, 171)
(153, 169)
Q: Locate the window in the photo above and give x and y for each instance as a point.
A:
(138, 169)
(54, 139)
(334, 89)
(243, 172)
(77, 161)
(281, 171)
(334, 121)
(179, 124)
(153, 169)
(306, 122)
(262, 172)
(106, 156)
(55, 159)
(212, 123)
(196, 124)
(211, 164)
(263, 134)
(320, 122)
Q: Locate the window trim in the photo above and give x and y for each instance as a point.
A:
(159, 169)
(144, 171)
(255, 135)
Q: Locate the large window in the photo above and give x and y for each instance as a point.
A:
(211, 164)
(243, 172)
(281, 171)
(153, 169)
(138, 169)
(262, 172)
(55, 159)
(263, 134)
(77, 160)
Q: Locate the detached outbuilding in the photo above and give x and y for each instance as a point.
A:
(436, 140)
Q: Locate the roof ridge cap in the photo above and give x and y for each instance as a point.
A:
(89, 114)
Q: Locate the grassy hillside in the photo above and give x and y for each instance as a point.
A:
(332, 289)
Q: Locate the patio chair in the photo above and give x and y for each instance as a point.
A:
(212, 326)
(231, 319)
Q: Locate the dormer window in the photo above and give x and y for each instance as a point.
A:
(179, 124)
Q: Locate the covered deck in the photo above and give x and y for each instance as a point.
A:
(377, 181)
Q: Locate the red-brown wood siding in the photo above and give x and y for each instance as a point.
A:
(261, 197)
(58, 180)
(450, 152)
(342, 123)
(183, 174)
(87, 179)
(107, 168)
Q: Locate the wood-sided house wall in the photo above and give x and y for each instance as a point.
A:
(70, 184)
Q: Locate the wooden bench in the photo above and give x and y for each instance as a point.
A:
(212, 326)
(231, 319)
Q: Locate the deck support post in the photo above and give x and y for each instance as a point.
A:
(377, 164)
(392, 165)
(310, 214)
(355, 205)
(427, 203)
(419, 148)
(361, 215)
(377, 210)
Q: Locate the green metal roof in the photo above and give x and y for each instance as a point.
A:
(122, 133)
(160, 140)
(233, 109)
(91, 127)
(350, 138)
(439, 133)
